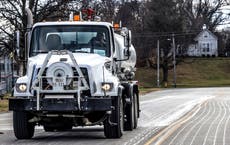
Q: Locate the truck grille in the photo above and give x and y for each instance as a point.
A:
(84, 72)
(46, 86)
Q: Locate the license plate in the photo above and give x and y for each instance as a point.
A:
(59, 82)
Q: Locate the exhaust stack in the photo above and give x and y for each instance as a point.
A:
(29, 18)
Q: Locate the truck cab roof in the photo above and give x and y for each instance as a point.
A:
(73, 23)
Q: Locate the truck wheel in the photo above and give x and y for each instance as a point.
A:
(22, 128)
(129, 112)
(115, 130)
(136, 109)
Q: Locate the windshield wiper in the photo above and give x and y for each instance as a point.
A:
(40, 51)
(82, 51)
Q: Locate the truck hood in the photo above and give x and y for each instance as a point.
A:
(98, 71)
(83, 59)
(94, 63)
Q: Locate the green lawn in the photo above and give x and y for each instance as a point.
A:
(193, 72)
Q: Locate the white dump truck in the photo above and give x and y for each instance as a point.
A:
(79, 73)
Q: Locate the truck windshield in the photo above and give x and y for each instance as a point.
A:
(78, 39)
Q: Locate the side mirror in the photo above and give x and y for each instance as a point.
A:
(126, 50)
(128, 39)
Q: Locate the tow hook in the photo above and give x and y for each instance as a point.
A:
(34, 119)
(86, 121)
(110, 122)
(109, 112)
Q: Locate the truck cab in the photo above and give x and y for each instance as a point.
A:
(78, 74)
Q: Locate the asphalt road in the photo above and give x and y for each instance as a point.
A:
(178, 116)
(207, 124)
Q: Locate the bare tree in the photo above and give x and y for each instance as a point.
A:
(184, 18)
(106, 9)
(163, 18)
(13, 17)
(199, 12)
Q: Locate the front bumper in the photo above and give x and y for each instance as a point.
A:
(89, 104)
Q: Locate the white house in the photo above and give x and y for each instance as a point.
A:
(206, 44)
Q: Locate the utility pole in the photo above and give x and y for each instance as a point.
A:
(0, 69)
(12, 61)
(158, 63)
(174, 60)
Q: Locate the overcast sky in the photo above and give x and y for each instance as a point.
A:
(226, 23)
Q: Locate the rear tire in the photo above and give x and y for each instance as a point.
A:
(136, 110)
(22, 128)
(115, 130)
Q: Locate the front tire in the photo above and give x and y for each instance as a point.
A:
(22, 128)
(130, 114)
(113, 126)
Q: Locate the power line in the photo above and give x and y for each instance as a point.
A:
(165, 34)
(161, 35)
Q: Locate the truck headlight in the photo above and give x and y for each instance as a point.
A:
(107, 65)
(106, 86)
(21, 87)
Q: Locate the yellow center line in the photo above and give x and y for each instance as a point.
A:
(168, 131)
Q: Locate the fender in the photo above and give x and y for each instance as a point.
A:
(120, 90)
(129, 89)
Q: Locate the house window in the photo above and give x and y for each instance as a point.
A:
(205, 47)
(208, 47)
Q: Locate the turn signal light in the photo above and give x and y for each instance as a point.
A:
(76, 18)
(116, 26)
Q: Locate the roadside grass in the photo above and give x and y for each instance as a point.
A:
(211, 72)
(193, 72)
(148, 90)
(4, 103)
